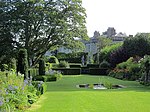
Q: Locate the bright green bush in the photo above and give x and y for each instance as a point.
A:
(64, 64)
(51, 75)
(54, 65)
(4, 67)
(129, 70)
(33, 72)
(16, 94)
(48, 66)
(106, 51)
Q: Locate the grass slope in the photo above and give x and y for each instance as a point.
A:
(63, 96)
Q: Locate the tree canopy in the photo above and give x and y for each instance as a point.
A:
(138, 45)
(38, 25)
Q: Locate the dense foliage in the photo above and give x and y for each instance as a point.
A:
(138, 45)
(64, 64)
(74, 57)
(129, 70)
(145, 68)
(41, 67)
(17, 94)
(22, 63)
(53, 59)
(106, 51)
(38, 25)
(118, 56)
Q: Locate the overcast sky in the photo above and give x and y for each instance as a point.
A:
(127, 16)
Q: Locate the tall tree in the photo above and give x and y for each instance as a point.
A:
(138, 45)
(38, 25)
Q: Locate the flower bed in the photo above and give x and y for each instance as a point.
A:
(18, 94)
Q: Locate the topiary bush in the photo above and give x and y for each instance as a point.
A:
(22, 63)
(53, 59)
(41, 67)
(104, 64)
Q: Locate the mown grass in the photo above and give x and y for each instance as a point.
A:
(64, 96)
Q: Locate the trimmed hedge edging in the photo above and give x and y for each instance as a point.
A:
(93, 65)
(98, 71)
(44, 78)
(69, 71)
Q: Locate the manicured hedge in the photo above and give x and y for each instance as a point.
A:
(93, 65)
(44, 78)
(98, 71)
(69, 71)
(84, 70)
(75, 65)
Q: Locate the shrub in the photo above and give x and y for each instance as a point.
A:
(48, 66)
(16, 94)
(75, 65)
(69, 71)
(54, 65)
(106, 51)
(12, 64)
(40, 87)
(40, 78)
(64, 64)
(145, 69)
(33, 72)
(104, 64)
(129, 70)
(41, 67)
(139, 45)
(75, 57)
(54, 75)
(93, 65)
(98, 71)
(118, 56)
(22, 63)
(4, 67)
(53, 59)
(51, 75)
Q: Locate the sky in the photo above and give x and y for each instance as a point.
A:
(127, 16)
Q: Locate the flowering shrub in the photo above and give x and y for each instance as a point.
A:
(145, 69)
(15, 92)
(54, 73)
(129, 70)
(40, 87)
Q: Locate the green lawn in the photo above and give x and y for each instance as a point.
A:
(63, 96)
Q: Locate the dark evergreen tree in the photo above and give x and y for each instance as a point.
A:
(41, 67)
(22, 65)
